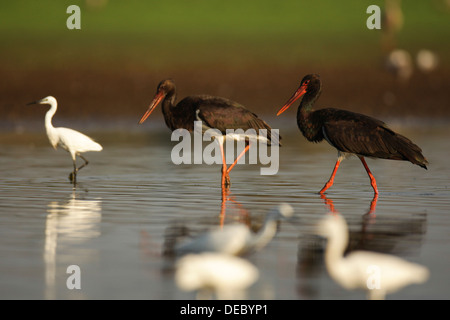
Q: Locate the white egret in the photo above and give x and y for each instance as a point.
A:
(70, 140)
(236, 239)
(376, 273)
(225, 275)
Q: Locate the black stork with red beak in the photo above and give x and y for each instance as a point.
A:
(215, 113)
(349, 132)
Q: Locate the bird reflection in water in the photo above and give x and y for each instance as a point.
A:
(370, 213)
(229, 203)
(69, 223)
(376, 273)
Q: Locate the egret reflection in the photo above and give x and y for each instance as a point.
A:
(69, 223)
(376, 273)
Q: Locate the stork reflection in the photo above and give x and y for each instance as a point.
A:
(370, 213)
(230, 204)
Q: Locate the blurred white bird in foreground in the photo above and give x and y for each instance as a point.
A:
(376, 273)
(70, 140)
(236, 239)
(226, 276)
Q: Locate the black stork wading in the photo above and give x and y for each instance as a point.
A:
(215, 113)
(349, 132)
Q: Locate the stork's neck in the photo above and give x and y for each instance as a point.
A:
(168, 104)
(305, 122)
(307, 104)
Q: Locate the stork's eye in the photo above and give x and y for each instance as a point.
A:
(306, 82)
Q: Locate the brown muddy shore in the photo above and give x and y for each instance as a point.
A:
(89, 93)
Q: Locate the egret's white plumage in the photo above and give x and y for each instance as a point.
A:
(376, 273)
(225, 275)
(70, 140)
(236, 239)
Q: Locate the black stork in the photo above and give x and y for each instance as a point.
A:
(214, 112)
(349, 132)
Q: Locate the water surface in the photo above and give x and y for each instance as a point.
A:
(113, 225)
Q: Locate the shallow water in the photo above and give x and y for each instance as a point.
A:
(114, 224)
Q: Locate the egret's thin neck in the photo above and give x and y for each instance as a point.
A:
(49, 115)
(336, 247)
(265, 234)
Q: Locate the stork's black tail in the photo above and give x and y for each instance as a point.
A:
(404, 149)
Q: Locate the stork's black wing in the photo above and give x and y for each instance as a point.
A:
(366, 136)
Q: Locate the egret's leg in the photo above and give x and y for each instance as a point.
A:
(85, 162)
(73, 175)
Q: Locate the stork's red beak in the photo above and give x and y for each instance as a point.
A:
(156, 100)
(300, 91)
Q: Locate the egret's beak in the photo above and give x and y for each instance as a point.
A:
(300, 91)
(34, 102)
(156, 100)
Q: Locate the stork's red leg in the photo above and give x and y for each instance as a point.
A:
(237, 159)
(372, 178)
(331, 180)
(225, 176)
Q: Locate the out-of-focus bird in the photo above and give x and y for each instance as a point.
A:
(225, 275)
(426, 60)
(376, 273)
(70, 140)
(392, 22)
(236, 239)
(400, 63)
